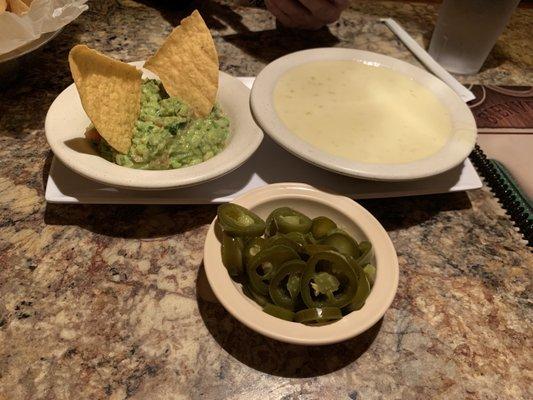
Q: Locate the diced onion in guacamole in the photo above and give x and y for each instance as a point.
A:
(167, 135)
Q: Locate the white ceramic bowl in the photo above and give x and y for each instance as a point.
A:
(12, 63)
(66, 122)
(347, 214)
(458, 147)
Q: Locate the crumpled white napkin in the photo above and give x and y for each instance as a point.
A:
(42, 17)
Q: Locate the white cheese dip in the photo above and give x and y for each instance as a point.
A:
(361, 112)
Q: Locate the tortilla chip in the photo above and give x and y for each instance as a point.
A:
(110, 93)
(17, 6)
(187, 64)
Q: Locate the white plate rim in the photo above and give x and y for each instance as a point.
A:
(451, 155)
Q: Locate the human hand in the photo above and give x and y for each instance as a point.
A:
(306, 14)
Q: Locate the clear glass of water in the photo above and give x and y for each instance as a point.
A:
(466, 31)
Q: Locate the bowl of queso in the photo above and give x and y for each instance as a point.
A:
(363, 114)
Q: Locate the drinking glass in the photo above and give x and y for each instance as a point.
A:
(466, 31)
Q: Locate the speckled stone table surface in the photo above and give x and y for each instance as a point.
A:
(104, 302)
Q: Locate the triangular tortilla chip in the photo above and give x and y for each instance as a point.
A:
(18, 7)
(110, 93)
(187, 64)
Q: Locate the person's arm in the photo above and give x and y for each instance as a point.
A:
(306, 14)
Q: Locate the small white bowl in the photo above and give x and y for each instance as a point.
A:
(347, 214)
(66, 122)
(455, 151)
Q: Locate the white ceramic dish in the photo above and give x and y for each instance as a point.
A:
(351, 217)
(29, 47)
(12, 63)
(66, 122)
(452, 154)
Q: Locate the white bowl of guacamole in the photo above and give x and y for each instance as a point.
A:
(170, 148)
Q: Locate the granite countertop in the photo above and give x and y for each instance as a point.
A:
(108, 302)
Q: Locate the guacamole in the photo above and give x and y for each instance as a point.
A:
(167, 135)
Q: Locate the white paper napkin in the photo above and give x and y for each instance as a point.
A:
(42, 17)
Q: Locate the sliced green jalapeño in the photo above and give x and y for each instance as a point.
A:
(231, 251)
(328, 281)
(252, 247)
(278, 312)
(285, 220)
(342, 242)
(318, 316)
(284, 286)
(363, 290)
(252, 294)
(366, 253)
(321, 226)
(263, 266)
(238, 221)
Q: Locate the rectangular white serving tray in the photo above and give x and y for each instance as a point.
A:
(269, 164)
